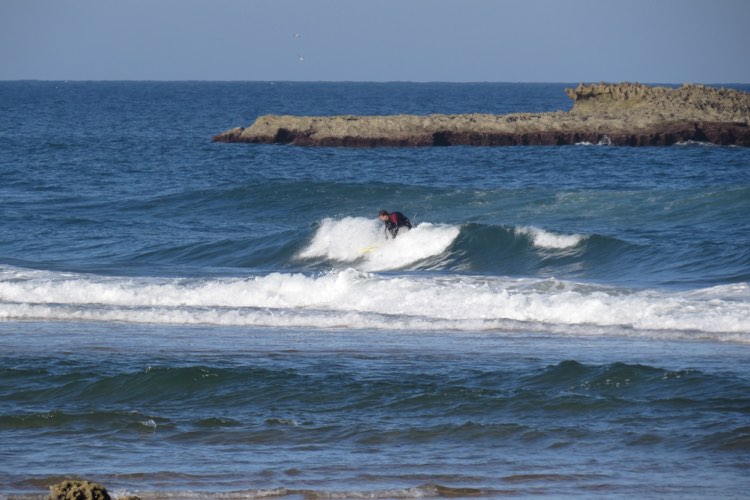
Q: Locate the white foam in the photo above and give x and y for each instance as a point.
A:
(344, 239)
(549, 239)
(695, 143)
(604, 141)
(361, 300)
(356, 239)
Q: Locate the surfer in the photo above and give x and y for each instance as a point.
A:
(393, 222)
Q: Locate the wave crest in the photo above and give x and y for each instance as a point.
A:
(549, 239)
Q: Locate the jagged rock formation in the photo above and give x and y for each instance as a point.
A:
(619, 114)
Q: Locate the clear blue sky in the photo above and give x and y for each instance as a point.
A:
(668, 41)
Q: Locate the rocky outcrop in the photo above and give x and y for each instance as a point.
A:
(629, 114)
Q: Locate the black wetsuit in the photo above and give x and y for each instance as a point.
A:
(395, 221)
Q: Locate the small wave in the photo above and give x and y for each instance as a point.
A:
(88, 419)
(423, 491)
(549, 239)
(624, 378)
(696, 143)
(604, 141)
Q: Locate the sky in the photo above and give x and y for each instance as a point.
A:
(648, 41)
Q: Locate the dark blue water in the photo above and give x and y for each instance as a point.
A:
(185, 318)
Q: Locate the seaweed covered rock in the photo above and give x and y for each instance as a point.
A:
(78, 490)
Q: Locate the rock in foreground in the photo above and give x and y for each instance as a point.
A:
(628, 114)
(78, 490)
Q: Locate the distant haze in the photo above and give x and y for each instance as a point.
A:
(670, 41)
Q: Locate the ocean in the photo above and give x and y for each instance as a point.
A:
(187, 319)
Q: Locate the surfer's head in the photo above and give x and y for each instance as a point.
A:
(383, 215)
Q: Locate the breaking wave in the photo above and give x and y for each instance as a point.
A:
(357, 299)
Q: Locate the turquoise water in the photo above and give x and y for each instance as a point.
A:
(189, 319)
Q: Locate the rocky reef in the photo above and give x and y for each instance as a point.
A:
(623, 114)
